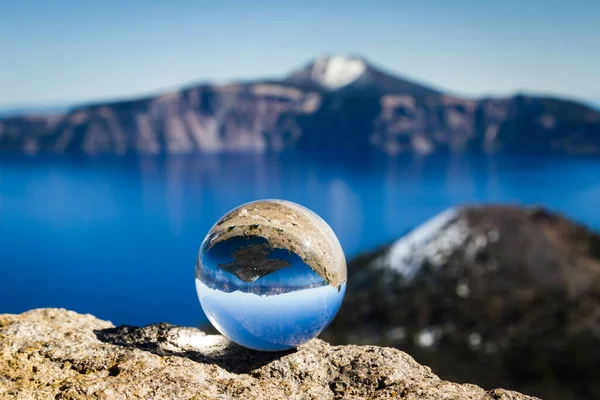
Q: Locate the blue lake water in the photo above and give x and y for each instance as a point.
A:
(118, 236)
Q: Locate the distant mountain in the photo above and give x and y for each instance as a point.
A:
(334, 102)
(15, 111)
(502, 296)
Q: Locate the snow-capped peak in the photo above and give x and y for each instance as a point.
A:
(334, 72)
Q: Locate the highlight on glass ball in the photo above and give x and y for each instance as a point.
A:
(270, 275)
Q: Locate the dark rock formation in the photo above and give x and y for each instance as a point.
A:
(495, 295)
(335, 102)
(58, 354)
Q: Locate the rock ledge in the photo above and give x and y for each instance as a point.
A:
(60, 354)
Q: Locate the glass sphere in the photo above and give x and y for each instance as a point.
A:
(270, 275)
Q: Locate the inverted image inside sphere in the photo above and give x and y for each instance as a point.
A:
(259, 308)
(270, 275)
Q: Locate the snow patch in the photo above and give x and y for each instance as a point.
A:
(429, 336)
(475, 246)
(426, 339)
(337, 71)
(433, 241)
(474, 340)
(493, 236)
(462, 289)
(396, 334)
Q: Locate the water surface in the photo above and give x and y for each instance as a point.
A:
(118, 236)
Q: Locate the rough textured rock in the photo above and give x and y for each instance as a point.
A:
(370, 110)
(494, 295)
(59, 354)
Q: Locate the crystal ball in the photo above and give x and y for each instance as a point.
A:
(270, 275)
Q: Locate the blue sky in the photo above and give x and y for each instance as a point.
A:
(61, 51)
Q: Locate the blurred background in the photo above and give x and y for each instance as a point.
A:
(128, 128)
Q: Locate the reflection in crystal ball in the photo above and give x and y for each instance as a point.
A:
(270, 275)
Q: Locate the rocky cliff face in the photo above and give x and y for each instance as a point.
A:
(205, 118)
(58, 354)
(334, 102)
(500, 296)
